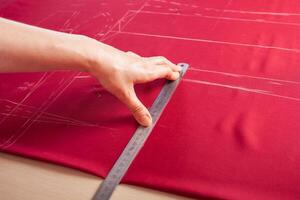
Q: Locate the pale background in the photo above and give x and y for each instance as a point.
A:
(26, 179)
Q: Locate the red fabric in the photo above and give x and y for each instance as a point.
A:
(230, 131)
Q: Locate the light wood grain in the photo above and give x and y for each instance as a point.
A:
(26, 179)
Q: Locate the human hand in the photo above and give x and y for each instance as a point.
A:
(118, 71)
(46, 50)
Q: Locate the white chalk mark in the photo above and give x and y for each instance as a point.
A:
(66, 24)
(5, 142)
(252, 90)
(221, 15)
(31, 109)
(22, 88)
(199, 15)
(274, 83)
(129, 16)
(34, 88)
(211, 41)
(104, 36)
(53, 117)
(82, 77)
(244, 75)
(43, 119)
(175, 3)
(30, 121)
(49, 119)
(162, 1)
(254, 12)
(252, 20)
(227, 86)
(38, 114)
(110, 35)
(55, 94)
(23, 127)
(52, 15)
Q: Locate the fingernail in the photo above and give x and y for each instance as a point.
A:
(178, 68)
(146, 120)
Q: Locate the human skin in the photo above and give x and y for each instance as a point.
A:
(25, 48)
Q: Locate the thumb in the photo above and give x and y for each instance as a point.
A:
(139, 111)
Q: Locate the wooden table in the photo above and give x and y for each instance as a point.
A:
(27, 179)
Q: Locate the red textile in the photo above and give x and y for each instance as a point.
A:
(232, 128)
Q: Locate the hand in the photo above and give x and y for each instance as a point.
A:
(44, 50)
(118, 71)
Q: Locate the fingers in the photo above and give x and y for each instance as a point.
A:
(138, 110)
(165, 72)
(160, 60)
(163, 68)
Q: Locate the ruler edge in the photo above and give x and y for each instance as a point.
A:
(97, 195)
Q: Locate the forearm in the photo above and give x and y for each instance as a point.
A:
(25, 48)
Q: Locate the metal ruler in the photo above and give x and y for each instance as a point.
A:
(137, 141)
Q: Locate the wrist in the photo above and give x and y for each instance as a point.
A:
(74, 52)
(97, 56)
(89, 51)
(81, 47)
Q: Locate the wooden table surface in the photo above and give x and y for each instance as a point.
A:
(26, 179)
